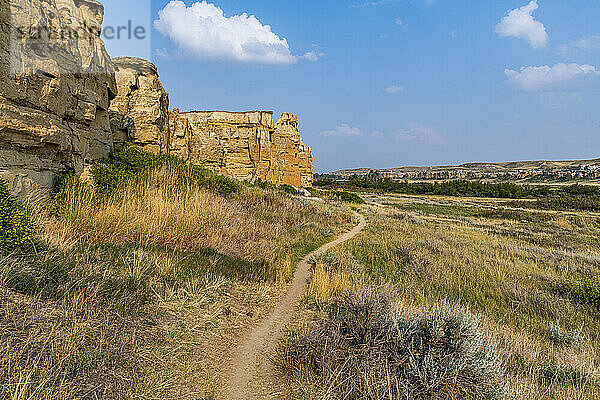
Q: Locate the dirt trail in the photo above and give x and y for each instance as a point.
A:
(251, 375)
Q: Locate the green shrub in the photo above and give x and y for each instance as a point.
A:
(288, 189)
(131, 162)
(16, 228)
(348, 197)
(585, 290)
(264, 185)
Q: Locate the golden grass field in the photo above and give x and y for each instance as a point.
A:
(141, 296)
(507, 265)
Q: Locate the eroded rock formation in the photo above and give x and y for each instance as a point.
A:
(140, 112)
(56, 82)
(292, 158)
(244, 145)
(65, 104)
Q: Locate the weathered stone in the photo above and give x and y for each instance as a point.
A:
(181, 135)
(140, 112)
(245, 145)
(293, 159)
(56, 83)
(65, 104)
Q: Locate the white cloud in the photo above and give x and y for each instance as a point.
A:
(394, 89)
(203, 30)
(520, 23)
(556, 78)
(416, 132)
(343, 130)
(377, 3)
(591, 43)
(313, 56)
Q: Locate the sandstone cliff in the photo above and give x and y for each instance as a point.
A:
(65, 104)
(242, 145)
(245, 145)
(293, 159)
(140, 112)
(56, 83)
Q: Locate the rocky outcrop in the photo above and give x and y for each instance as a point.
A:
(65, 104)
(140, 112)
(56, 83)
(292, 158)
(245, 145)
(181, 135)
(237, 145)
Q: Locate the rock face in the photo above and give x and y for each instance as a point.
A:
(181, 135)
(293, 159)
(56, 83)
(65, 104)
(140, 112)
(245, 145)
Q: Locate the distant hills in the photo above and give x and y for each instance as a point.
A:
(519, 171)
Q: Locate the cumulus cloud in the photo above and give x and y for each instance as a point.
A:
(520, 23)
(416, 132)
(204, 31)
(394, 89)
(343, 130)
(556, 78)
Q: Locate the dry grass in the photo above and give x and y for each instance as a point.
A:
(254, 225)
(142, 293)
(326, 282)
(510, 270)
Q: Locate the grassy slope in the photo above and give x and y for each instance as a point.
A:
(140, 293)
(510, 268)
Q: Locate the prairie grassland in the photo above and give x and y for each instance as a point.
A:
(511, 266)
(141, 294)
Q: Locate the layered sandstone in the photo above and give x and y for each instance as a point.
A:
(244, 145)
(140, 111)
(65, 104)
(293, 159)
(237, 145)
(56, 83)
(180, 135)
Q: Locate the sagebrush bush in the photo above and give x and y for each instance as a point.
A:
(16, 228)
(365, 347)
(562, 337)
(585, 290)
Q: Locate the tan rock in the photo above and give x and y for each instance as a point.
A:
(181, 135)
(55, 89)
(140, 112)
(292, 158)
(244, 145)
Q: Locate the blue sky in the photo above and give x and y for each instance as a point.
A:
(386, 83)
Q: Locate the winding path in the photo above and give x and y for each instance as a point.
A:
(252, 375)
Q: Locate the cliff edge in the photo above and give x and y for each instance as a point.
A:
(55, 90)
